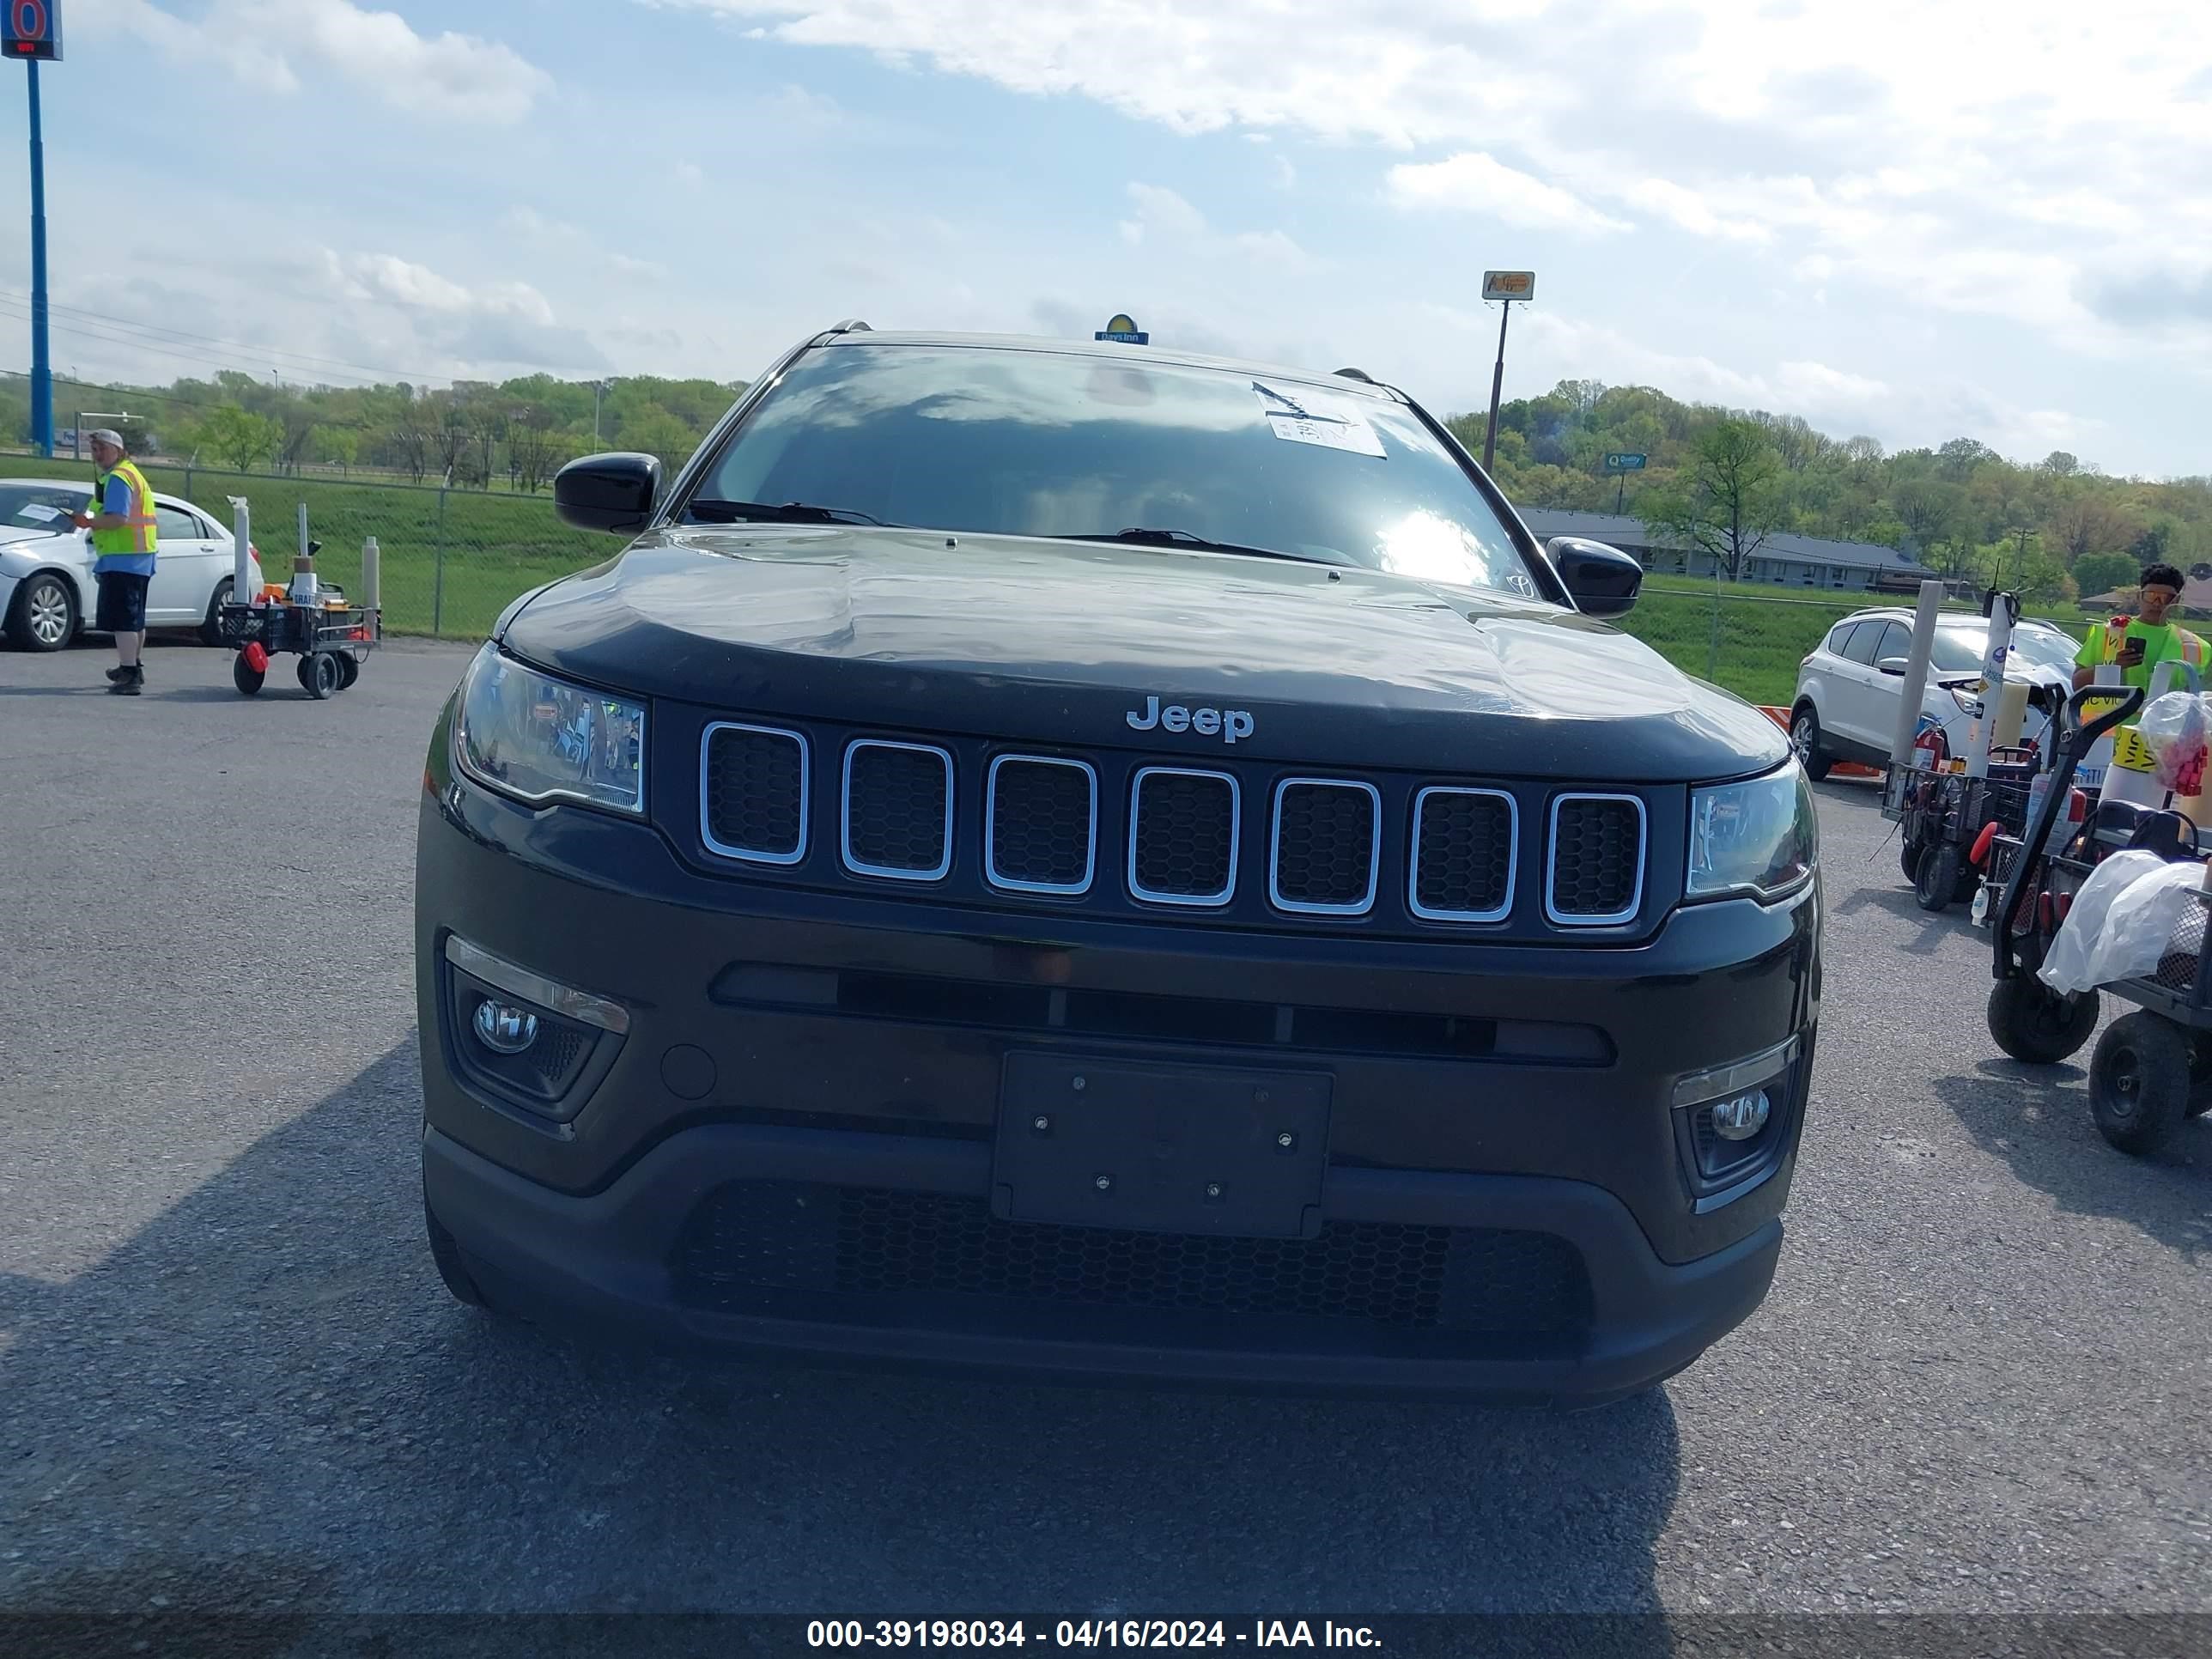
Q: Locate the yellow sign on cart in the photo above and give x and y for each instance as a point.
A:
(2131, 752)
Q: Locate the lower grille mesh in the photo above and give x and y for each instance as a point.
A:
(751, 1238)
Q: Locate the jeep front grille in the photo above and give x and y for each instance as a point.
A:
(1466, 848)
(1183, 847)
(1596, 876)
(1113, 831)
(1041, 824)
(1327, 846)
(753, 793)
(898, 811)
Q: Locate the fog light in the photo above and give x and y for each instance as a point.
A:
(1740, 1116)
(504, 1029)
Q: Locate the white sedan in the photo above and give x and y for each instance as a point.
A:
(46, 591)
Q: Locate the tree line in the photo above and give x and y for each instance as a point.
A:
(1725, 481)
(472, 434)
(1718, 480)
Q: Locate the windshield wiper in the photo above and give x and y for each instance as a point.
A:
(1141, 537)
(714, 512)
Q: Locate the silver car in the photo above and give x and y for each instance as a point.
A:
(47, 593)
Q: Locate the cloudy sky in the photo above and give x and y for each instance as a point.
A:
(1912, 220)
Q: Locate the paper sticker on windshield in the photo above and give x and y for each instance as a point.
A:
(38, 513)
(1304, 417)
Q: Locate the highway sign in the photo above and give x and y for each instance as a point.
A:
(1509, 284)
(1625, 461)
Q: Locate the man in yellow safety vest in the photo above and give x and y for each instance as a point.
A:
(2138, 644)
(121, 521)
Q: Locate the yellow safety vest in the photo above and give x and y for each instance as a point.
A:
(2116, 636)
(135, 539)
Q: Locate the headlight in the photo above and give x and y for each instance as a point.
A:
(1760, 837)
(540, 739)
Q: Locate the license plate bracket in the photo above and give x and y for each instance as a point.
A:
(1159, 1148)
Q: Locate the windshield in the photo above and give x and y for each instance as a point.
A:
(2047, 647)
(1959, 647)
(1041, 443)
(1957, 650)
(39, 507)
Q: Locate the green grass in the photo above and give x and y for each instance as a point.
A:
(1762, 638)
(498, 545)
(495, 546)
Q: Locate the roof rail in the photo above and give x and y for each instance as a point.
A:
(852, 325)
(1356, 375)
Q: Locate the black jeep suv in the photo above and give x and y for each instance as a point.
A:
(1091, 860)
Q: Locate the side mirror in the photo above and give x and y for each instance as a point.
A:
(1602, 581)
(1896, 665)
(614, 493)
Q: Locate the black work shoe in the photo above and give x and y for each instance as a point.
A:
(133, 683)
(117, 673)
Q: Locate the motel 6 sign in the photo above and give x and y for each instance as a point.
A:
(32, 30)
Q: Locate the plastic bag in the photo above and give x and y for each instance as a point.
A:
(2122, 921)
(2175, 728)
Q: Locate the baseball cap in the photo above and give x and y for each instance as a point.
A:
(106, 434)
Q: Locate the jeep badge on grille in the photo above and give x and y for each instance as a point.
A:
(1227, 724)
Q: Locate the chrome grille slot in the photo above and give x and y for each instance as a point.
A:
(1041, 824)
(1466, 848)
(1326, 848)
(1183, 836)
(1596, 878)
(753, 793)
(898, 811)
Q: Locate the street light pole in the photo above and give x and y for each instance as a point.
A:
(42, 374)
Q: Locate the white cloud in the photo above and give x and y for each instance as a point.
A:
(1162, 214)
(1472, 182)
(387, 278)
(526, 224)
(1166, 221)
(2075, 147)
(273, 45)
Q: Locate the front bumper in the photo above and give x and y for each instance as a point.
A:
(602, 1263)
(790, 1143)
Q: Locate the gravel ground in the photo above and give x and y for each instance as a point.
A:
(229, 1377)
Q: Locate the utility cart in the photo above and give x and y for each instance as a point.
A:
(1948, 810)
(329, 637)
(1942, 818)
(2152, 1069)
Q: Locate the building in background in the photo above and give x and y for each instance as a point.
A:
(1783, 559)
(2196, 594)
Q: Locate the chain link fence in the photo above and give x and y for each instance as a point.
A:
(450, 558)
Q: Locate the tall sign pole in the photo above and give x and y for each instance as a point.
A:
(33, 31)
(42, 371)
(1506, 286)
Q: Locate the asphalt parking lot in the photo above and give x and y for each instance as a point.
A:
(228, 1376)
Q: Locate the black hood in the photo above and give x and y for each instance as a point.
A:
(1057, 642)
